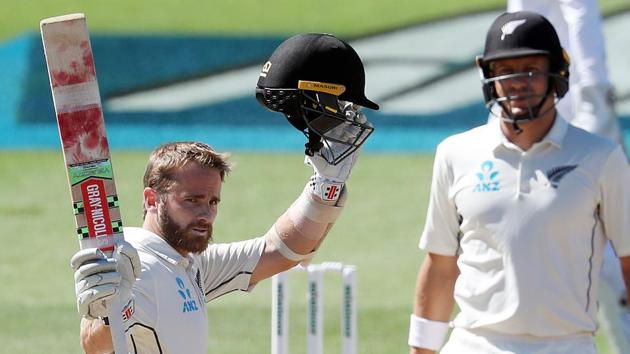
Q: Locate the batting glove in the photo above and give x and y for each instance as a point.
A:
(97, 279)
(328, 179)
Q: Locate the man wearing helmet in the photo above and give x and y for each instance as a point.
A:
(520, 211)
(165, 272)
(590, 105)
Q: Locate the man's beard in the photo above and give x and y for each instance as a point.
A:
(180, 238)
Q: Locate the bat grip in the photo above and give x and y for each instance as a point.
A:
(119, 338)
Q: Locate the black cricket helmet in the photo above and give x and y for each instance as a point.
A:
(310, 78)
(522, 34)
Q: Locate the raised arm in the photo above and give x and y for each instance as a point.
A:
(298, 233)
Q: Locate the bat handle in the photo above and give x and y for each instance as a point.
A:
(119, 339)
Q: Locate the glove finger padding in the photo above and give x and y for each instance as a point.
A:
(94, 302)
(97, 266)
(98, 278)
(127, 261)
(87, 255)
(92, 281)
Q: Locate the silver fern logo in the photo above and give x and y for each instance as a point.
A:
(509, 28)
(557, 173)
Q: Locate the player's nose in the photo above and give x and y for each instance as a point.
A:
(207, 215)
(517, 83)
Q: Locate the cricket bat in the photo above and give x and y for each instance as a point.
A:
(84, 142)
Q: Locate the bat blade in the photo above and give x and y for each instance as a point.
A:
(84, 142)
(82, 130)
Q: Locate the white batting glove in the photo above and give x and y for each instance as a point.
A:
(98, 279)
(329, 179)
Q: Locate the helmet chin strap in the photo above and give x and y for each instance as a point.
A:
(517, 129)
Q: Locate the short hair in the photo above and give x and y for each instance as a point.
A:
(169, 157)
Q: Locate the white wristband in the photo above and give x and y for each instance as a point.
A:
(424, 333)
(305, 206)
(284, 250)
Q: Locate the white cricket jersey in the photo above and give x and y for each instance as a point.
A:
(529, 227)
(168, 312)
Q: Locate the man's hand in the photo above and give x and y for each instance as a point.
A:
(98, 279)
(328, 179)
(346, 133)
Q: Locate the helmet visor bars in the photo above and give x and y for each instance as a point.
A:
(339, 124)
(519, 95)
(322, 118)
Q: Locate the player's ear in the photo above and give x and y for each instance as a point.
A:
(150, 199)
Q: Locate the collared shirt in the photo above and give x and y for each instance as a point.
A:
(528, 227)
(168, 311)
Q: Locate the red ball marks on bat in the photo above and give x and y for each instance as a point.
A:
(83, 135)
(91, 140)
(62, 78)
(88, 58)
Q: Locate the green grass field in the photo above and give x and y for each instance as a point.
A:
(378, 232)
(347, 18)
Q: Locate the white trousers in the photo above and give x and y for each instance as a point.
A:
(464, 341)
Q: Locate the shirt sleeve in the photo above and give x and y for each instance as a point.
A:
(615, 204)
(441, 229)
(228, 266)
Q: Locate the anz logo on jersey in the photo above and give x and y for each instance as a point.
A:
(190, 305)
(488, 179)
